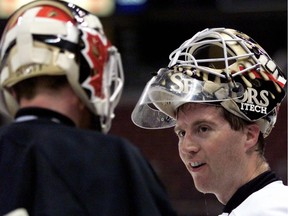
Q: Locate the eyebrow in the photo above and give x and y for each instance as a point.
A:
(196, 123)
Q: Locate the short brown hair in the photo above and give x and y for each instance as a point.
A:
(28, 88)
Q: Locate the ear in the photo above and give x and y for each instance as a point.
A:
(252, 133)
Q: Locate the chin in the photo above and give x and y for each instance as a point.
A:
(203, 187)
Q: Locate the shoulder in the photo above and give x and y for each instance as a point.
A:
(82, 141)
(270, 200)
(52, 138)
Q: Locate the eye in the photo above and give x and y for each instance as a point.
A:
(180, 133)
(203, 129)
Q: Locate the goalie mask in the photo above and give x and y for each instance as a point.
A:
(60, 38)
(218, 66)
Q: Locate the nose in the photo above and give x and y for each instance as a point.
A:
(188, 145)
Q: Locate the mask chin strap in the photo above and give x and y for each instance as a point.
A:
(267, 123)
(113, 88)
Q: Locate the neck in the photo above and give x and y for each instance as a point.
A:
(260, 166)
(64, 101)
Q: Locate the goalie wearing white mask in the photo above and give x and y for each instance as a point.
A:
(221, 92)
(65, 42)
(61, 79)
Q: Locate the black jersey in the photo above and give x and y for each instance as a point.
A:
(50, 167)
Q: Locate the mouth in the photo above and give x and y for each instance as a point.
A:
(195, 165)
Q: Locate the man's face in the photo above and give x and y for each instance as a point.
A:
(212, 152)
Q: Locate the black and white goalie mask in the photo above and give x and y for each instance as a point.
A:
(220, 66)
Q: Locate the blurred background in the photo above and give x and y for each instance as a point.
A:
(146, 32)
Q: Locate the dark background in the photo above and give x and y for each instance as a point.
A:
(146, 36)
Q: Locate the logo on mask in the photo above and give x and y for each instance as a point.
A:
(254, 101)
